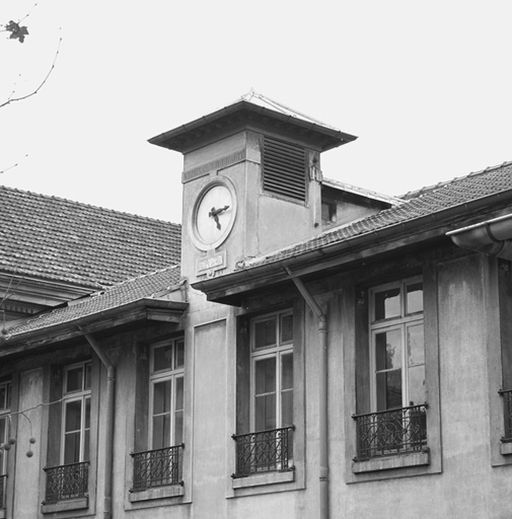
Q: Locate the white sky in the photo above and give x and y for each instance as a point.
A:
(427, 87)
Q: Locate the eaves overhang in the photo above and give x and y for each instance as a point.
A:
(231, 288)
(246, 115)
(148, 309)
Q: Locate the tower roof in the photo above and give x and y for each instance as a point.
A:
(257, 112)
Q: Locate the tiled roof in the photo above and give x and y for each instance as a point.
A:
(57, 239)
(154, 285)
(424, 202)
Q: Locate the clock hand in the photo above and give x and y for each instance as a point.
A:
(214, 213)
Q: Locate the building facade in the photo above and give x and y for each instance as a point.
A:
(319, 350)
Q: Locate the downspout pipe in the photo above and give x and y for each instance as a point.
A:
(323, 391)
(492, 237)
(109, 423)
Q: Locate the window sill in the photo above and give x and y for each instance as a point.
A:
(267, 478)
(396, 461)
(156, 493)
(506, 448)
(64, 506)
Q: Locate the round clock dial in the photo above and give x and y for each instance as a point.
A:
(214, 215)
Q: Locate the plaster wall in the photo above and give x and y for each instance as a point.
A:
(467, 487)
(27, 500)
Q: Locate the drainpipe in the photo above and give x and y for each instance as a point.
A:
(109, 423)
(492, 237)
(322, 407)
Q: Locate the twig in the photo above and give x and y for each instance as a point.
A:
(13, 165)
(43, 82)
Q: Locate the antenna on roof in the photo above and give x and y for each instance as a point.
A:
(252, 95)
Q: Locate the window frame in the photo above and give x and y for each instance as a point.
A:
(164, 375)
(83, 395)
(400, 322)
(354, 306)
(5, 415)
(277, 351)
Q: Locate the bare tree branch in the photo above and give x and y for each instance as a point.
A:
(12, 166)
(12, 99)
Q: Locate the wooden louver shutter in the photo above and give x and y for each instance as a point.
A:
(284, 169)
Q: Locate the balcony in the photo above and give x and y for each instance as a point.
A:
(264, 451)
(157, 468)
(66, 482)
(3, 484)
(391, 432)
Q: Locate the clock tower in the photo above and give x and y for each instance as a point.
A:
(251, 182)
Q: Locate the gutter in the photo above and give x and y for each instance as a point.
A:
(384, 239)
(492, 237)
(109, 400)
(323, 393)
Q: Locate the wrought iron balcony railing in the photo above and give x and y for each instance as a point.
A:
(390, 432)
(264, 451)
(3, 484)
(66, 482)
(157, 468)
(507, 414)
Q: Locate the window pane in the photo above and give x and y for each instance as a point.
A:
(162, 358)
(5, 396)
(387, 304)
(86, 445)
(414, 300)
(179, 354)
(415, 345)
(74, 380)
(179, 393)
(265, 333)
(417, 393)
(162, 397)
(72, 447)
(87, 413)
(287, 371)
(286, 328)
(87, 376)
(388, 350)
(265, 412)
(286, 408)
(161, 431)
(266, 376)
(178, 427)
(3, 438)
(389, 390)
(73, 415)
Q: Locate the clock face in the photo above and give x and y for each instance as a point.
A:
(214, 215)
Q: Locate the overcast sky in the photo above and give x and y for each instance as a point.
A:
(426, 86)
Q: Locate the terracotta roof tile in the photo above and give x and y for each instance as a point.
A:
(154, 285)
(417, 204)
(58, 239)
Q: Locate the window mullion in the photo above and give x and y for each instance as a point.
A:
(172, 410)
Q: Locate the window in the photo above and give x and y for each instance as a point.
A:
(161, 464)
(269, 447)
(69, 480)
(76, 417)
(329, 211)
(272, 372)
(396, 421)
(5, 405)
(397, 353)
(166, 394)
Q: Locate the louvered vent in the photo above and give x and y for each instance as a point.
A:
(284, 169)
